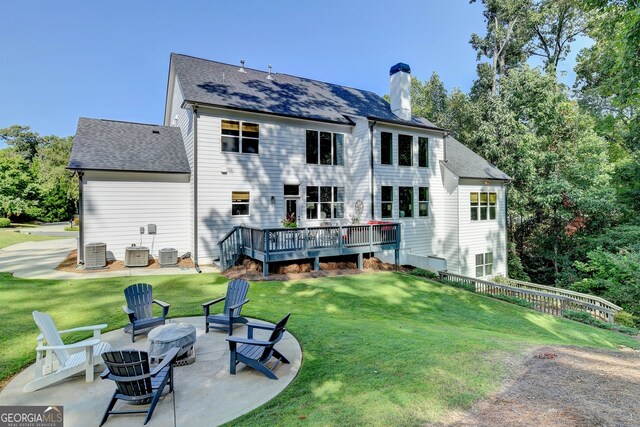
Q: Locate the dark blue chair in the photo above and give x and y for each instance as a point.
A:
(233, 302)
(139, 308)
(135, 382)
(256, 353)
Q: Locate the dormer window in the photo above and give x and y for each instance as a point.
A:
(240, 137)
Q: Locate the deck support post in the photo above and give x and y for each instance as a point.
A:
(316, 263)
(265, 263)
(360, 261)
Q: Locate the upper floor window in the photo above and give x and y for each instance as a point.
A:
(405, 150)
(423, 201)
(240, 203)
(423, 152)
(483, 206)
(405, 201)
(325, 148)
(386, 148)
(325, 202)
(240, 137)
(386, 202)
(484, 264)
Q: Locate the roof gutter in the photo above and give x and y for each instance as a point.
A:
(407, 124)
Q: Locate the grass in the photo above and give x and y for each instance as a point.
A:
(379, 349)
(11, 236)
(72, 228)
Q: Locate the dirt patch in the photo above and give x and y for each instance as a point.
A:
(565, 386)
(251, 270)
(70, 265)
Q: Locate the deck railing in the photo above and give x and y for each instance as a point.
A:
(540, 298)
(276, 244)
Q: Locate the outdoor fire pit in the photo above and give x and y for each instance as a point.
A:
(181, 335)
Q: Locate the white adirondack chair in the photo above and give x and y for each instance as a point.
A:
(56, 360)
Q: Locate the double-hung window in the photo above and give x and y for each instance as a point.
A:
(325, 202)
(405, 150)
(423, 201)
(386, 148)
(240, 203)
(423, 152)
(240, 137)
(325, 148)
(405, 201)
(386, 202)
(484, 264)
(483, 206)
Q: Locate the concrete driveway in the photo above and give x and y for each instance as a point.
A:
(36, 260)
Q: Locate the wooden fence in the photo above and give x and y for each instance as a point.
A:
(541, 298)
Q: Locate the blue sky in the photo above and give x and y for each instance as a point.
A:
(63, 60)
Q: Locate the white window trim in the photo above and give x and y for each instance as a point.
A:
(240, 137)
(393, 195)
(479, 206)
(344, 142)
(320, 202)
(484, 264)
(241, 203)
(427, 202)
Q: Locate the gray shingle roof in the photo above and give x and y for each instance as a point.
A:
(124, 146)
(465, 163)
(214, 83)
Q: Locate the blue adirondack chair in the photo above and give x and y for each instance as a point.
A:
(139, 308)
(135, 382)
(256, 353)
(233, 302)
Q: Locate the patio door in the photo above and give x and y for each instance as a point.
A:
(291, 197)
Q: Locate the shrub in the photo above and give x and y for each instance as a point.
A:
(624, 318)
(420, 272)
(462, 285)
(584, 317)
(5, 222)
(513, 300)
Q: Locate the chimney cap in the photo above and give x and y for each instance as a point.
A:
(400, 66)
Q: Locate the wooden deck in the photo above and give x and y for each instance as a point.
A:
(285, 244)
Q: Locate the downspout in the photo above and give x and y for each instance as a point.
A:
(81, 217)
(371, 171)
(506, 227)
(195, 188)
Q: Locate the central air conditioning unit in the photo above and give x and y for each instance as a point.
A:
(95, 255)
(136, 256)
(168, 257)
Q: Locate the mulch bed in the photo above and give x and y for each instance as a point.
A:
(565, 386)
(251, 270)
(70, 265)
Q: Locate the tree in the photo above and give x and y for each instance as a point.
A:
(18, 191)
(24, 141)
(507, 33)
(555, 25)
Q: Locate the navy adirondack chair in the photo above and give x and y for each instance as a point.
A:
(135, 382)
(256, 353)
(139, 308)
(233, 302)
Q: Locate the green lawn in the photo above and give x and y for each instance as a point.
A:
(379, 349)
(10, 236)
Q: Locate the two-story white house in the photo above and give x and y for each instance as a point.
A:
(246, 148)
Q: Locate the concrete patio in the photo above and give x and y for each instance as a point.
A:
(205, 394)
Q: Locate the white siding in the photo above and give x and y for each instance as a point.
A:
(281, 161)
(418, 232)
(117, 204)
(358, 160)
(185, 122)
(478, 237)
(449, 235)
